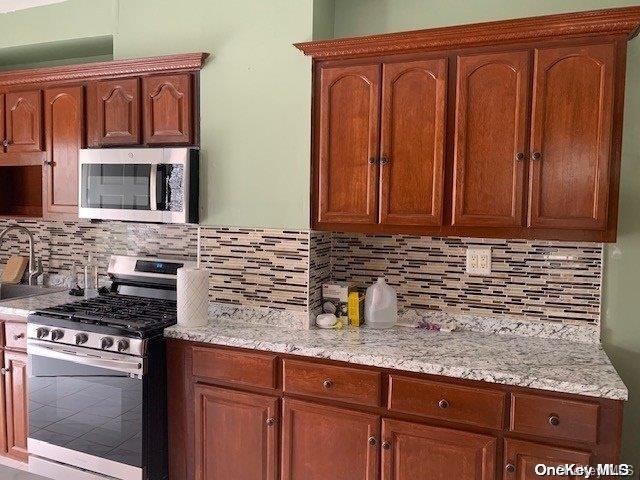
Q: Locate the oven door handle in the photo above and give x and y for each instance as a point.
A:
(153, 187)
(132, 366)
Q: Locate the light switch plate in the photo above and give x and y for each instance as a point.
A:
(479, 260)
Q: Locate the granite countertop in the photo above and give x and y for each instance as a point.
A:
(24, 306)
(548, 364)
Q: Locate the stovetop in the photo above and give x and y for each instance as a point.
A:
(126, 313)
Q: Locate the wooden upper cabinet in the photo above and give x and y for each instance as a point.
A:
(114, 112)
(412, 451)
(571, 136)
(412, 142)
(236, 435)
(321, 442)
(15, 387)
(347, 142)
(23, 121)
(3, 132)
(520, 459)
(490, 149)
(167, 107)
(64, 124)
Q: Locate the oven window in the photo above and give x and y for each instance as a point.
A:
(116, 186)
(86, 409)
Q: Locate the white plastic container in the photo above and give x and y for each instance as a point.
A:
(380, 305)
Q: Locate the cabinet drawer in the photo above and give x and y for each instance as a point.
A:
(328, 381)
(242, 368)
(448, 402)
(15, 335)
(554, 417)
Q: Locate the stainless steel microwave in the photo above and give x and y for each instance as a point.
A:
(158, 185)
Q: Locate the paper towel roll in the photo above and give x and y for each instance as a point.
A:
(193, 297)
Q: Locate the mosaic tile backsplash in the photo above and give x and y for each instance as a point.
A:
(542, 280)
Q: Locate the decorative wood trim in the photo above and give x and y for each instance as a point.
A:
(115, 68)
(616, 21)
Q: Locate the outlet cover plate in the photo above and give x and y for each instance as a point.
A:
(479, 260)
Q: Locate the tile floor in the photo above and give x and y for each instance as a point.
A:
(7, 473)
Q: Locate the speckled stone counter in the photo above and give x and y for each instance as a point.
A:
(548, 364)
(24, 306)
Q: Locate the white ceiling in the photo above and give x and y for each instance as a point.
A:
(13, 5)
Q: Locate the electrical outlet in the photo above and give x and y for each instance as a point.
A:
(479, 260)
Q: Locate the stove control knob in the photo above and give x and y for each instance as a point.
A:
(123, 345)
(81, 338)
(57, 334)
(106, 342)
(42, 332)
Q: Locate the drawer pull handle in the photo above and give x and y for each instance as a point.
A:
(372, 441)
(443, 404)
(386, 445)
(327, 384)
(271, 422)
(4, 371)
(510, 468)
(554, 420)
(18, 336)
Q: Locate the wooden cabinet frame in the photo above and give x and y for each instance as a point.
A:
(613, 26)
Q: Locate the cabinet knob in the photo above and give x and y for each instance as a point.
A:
(372, 161)
(18, 336)
(384, 160)
(444, 403)
(4, 371)
(372, 441)
(510, 468)
(386, 445)
(519, 156)
(537, 155)
(5, 143)
(271, 422)
(554, 420)
(47, 162)
(327, 384)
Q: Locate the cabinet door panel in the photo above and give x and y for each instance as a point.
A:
(24, 121)
(15, 386)
(321, 442)
(348, 133)
(524, 456)
(3, 132)
(234, 435)
(571, 128)
(167, 109)
(64, 116)
(114, 112)
(420, 452)
(491, 124)
(412, 148)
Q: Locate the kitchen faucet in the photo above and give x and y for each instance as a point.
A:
(35, 267)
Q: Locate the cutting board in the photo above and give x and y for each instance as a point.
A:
(14, 269)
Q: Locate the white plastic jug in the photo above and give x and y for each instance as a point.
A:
(380, 305)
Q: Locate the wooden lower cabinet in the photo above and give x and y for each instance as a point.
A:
(322, 442)
(521, 459)
(412, 451)
(236, 435)
(15, 390)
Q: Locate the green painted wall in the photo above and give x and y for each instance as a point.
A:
(621, 302)
(255, 90)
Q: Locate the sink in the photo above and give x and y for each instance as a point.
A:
(12, 291)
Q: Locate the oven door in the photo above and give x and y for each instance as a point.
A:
(85, 409)
(147, 185)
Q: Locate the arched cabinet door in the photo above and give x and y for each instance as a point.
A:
(346, 172)
(64, 122)
(167, 109)
(114, 112)
(490, 149)
(23, 113)
(412, 142)
(571, 132)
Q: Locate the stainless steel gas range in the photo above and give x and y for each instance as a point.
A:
(97, 383)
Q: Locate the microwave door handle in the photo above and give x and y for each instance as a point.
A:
(153, 187)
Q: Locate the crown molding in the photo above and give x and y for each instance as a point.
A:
(616, 21)
(115, 68)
